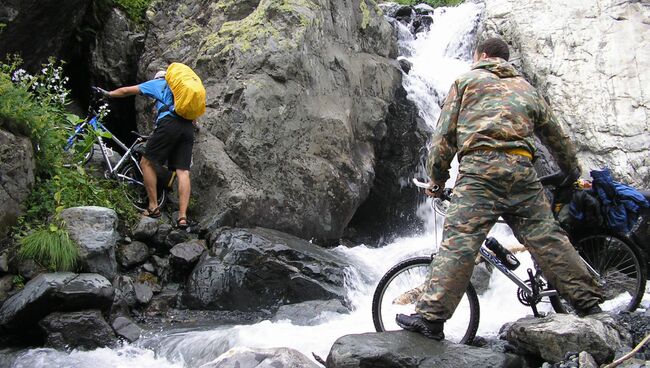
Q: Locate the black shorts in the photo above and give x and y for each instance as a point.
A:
(171, 142)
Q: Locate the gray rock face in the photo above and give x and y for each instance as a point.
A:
(143, 292)
(553, 336)
(126, 329)
(16, 176)
(54, 292)
(124, 291)
(260, 358)
(94, 229)
(589, 58)
(297, 94)
(406, 349)
(77, 330)
(132, 254)
(262, 268)
(115, 51)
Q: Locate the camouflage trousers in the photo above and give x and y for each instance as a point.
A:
(492, 184)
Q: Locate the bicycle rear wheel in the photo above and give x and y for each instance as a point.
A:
(399, 289)
(130, 174)
(621, 270)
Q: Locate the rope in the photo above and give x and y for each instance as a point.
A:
(629, 355)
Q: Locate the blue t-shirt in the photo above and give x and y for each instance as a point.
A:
(160, 91)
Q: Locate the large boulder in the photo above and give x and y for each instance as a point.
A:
(261, 268)
(411, 350)
(298, 93)
(553, 336)
(94, 229)
(590, 59)
(53, 292)
(77, 330)
(16, 177)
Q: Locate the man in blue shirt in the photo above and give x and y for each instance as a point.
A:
(171, 142)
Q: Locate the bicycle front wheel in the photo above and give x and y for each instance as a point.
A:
(130, 174)
(399, 289)
(620, 269)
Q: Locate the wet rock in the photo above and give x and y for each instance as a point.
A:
(86, 330)
(310, 313)
(94, 229)
(6, 284)
(126, 329)
(148, 267)
(4, 262)
(143, 292)
(247, 357)
(585, 360)
(124, 291)
(17, 168)
(176, 236)
(405, 64)
(53, 292)
(133, 254)
(29, 269)
(146, 228)
(161, 265)
(553, 336)
(162, 302)
(161, 234)
(262, 268)
(406, 349)
(185, 255)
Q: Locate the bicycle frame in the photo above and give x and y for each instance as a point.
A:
(96, 125)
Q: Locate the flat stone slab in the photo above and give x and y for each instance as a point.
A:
(407, 349)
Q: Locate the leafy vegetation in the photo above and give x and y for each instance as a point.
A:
(50, 246)
(34, 106)
(433, 3)
(134, 8)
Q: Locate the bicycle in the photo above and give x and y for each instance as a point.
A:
(619, 267)
(79, 150)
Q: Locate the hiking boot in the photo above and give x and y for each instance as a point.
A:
(589, 311)
(416, 323)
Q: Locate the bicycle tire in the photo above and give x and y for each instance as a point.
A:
(70, 153)
(622, 270)
(130, 174)
(464, 323)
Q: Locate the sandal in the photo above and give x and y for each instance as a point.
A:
(152, 212)
(182, 223)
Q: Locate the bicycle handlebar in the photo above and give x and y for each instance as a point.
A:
(558, 179)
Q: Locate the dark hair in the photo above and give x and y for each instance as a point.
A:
(494, 47)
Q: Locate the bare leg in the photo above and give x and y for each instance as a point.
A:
(184, 190)
(150, 181)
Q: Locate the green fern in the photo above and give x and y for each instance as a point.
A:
(51, 247)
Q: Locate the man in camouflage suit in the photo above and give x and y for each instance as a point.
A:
(489, 119)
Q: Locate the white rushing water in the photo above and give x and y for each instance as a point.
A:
(438, 57)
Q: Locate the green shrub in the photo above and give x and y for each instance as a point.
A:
(433, 3)
(134, 8)
(34, 106)
(51, 247)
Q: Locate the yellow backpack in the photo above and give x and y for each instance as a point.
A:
(189, 94)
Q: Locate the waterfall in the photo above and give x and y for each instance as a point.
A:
(437, 56)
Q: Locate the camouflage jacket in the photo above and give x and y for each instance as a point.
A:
(494, 107)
